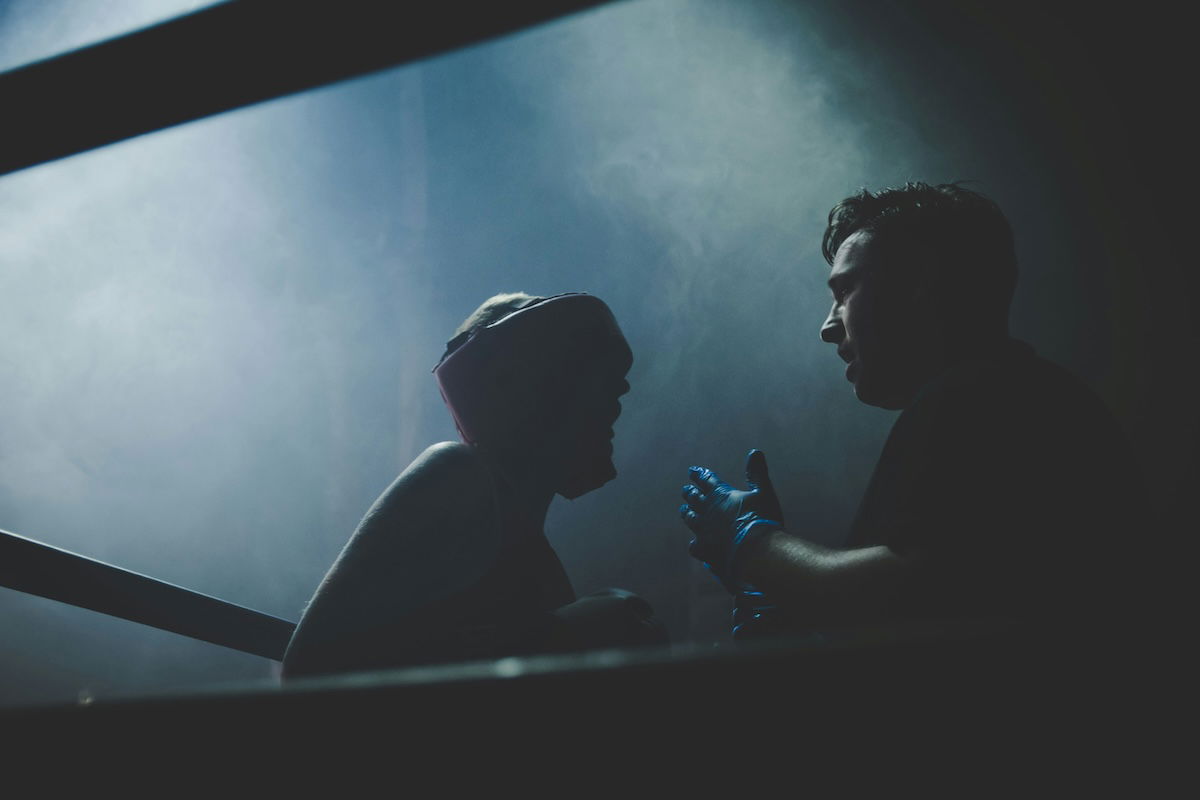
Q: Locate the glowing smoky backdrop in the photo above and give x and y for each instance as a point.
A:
(216, 340)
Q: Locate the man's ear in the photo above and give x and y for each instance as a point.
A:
(927, 305)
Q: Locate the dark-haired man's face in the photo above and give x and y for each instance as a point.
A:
(881, 325)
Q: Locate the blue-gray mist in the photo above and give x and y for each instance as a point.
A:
(216, 340)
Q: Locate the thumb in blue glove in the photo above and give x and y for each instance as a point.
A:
(762, 499)
(752, 612)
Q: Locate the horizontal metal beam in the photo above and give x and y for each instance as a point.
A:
(227, 56)
(36, 568)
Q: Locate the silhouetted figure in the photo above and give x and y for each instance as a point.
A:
(451, 563)
(1005, 489)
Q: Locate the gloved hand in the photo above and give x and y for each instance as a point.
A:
(754, 616)
(608, 618)
(721, 516)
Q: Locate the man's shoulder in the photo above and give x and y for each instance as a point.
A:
(1018, 421)
(443, 463)
(1012, 413)
(455, 455)
(1010, 381)
(447, 480)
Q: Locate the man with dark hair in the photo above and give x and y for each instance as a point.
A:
(451, 563)
(1005, 489)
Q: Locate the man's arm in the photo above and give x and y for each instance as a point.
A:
(825, 585)
(741, 538)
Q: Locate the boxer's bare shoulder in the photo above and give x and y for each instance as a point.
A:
(448, 479)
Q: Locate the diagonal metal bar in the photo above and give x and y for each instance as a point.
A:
(227, 56)
(36, 568)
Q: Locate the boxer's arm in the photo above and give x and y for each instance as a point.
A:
(432, 535)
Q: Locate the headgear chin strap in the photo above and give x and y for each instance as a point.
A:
(476, 373)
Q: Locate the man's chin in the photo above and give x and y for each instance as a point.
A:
(587, 480)
(889, 402)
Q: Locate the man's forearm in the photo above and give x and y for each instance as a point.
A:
(827, 585)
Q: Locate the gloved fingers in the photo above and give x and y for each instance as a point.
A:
(707, 480)
(690, 517)
(693, 497)
(653, 631)
(629, 600)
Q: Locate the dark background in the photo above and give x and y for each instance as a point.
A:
(217, 339)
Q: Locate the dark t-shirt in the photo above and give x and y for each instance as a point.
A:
(1011, 479)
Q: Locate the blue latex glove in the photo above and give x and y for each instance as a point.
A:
(721, 516)
(754, 616)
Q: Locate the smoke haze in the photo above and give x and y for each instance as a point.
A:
(216, 340)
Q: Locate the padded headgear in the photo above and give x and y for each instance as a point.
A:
(542, 339)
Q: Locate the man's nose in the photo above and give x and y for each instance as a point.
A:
(832, 331)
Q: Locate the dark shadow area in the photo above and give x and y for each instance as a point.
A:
(1083, 120)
